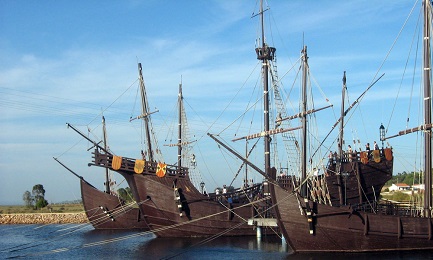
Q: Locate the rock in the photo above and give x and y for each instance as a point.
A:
(43, 218)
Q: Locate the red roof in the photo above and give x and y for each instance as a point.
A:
(402, 185)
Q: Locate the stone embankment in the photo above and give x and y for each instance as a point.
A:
(43, 218)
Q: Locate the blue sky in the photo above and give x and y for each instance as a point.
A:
(64, 61)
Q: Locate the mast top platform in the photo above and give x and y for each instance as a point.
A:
(266, 53)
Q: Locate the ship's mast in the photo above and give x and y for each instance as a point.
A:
(179, 147)
(427, 110)
(104, 134)
(145, 113)
(265, 54)
(340, 142)
(304, 122)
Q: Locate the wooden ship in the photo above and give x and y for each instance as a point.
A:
(108, 211)
(105, 209)
(172, 206)
(310, 225)
(350, 178)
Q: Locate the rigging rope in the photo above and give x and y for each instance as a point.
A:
(107, 241)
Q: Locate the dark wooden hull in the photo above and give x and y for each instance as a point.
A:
(206, 217)
(342, 229)
(117, 215)
(363, 181)
(199, 216)
(359, 183)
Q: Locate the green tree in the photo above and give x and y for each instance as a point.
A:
(28, 199)
(122, 193)
(405, 177)
(39, 196)
(129, 192)
(125, 194)
(41, 203)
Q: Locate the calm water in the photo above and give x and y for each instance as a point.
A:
(83, 242)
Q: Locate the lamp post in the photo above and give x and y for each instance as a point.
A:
(382, 133)
(202, 186)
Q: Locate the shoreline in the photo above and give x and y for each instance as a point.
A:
(44, 218)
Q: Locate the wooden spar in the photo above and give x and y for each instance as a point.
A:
(268, 133)
(104, 133)
(179, 144)
(90, 148)
(88, 139)
(179, 136)
(411, 130)
(304, 123)
(248, 153)
(143, 115)
(265, 69)
(340, 142)
(427, 110)
(239, 156)
(427, 126)
(71, 171)
(345, 113)
(301, 114)
(145, 111)
(265, 54)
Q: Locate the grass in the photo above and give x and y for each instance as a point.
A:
(55, 208)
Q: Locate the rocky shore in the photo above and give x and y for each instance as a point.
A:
(43, 218)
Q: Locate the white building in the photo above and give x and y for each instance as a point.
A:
(399, 187)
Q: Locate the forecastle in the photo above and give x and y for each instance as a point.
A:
(43, 218)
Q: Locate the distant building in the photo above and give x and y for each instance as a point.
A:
(399, 186)
(418, 187)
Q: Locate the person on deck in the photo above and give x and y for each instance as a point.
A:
(330, 155)
(367, 149)
(349, 152)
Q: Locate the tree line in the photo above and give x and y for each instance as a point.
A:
(35, 199)
(405, 177)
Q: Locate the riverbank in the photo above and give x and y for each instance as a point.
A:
(44, 218)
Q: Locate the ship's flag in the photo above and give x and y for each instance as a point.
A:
(376, 156)
(161, 169)
(139, 166)
(388, 154)
(116, 163)
(364, 157)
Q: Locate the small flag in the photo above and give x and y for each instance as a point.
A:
(116, 163)
(139, 166)
(161, 169)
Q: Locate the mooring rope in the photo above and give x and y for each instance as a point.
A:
(107, 241)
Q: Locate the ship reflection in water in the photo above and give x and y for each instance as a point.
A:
(218, 248)
(76, 242)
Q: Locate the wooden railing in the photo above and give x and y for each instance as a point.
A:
(127, 165)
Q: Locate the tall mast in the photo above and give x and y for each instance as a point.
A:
(265, 54)
(304, 122)
(246, 165)
(145, 113)
(104, 135)
(340, 141)
(179, 147)
(427, 111)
